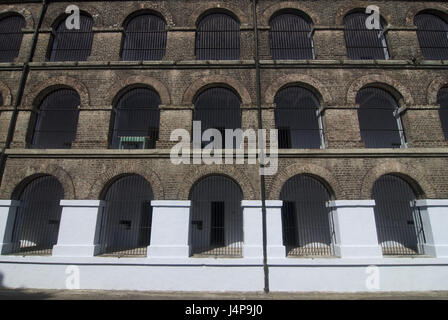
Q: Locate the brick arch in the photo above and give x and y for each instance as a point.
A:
(414, 175)
(149, 6)
(6, 94)
(32, 172)
(416, 8)
(344, 10)
(195, 87)
(118, 86)
(198, 172)
(321, 173)
(300, 79)
(270, 11)
(25, 13)
(434, 88)
(105, 178)
(55, 12)
(218, 5)
(41, 89)
(390, 83)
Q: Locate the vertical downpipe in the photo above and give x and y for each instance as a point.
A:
(260, 126)
(19, 95)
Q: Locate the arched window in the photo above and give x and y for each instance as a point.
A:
(218, 108)
(442, 100)
(218, 37)
(432, 33)
(398, 222)
(297, 118)
(144, 38)
(10, 36)
(291, 37)
(379, 121)
(216, 217)
(305, 217)
(36, 224)
(137, 118)
(56, 120)
(126, 221)
(72, 44)
(363, 43)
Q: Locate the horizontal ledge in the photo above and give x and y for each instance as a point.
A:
(171, 203)
(258, 203)
(350, 203)
(9, 203)
(432, 203)
(82, 203)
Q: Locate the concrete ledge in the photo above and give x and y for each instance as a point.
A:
(350, 203)
(9, 203)
(82, 203)
(432, 203)
(170, 203)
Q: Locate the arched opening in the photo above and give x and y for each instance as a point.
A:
(127, 215)
(290, 36)
(11, 36)
(216, 217)
(379, 121)
(363, 43)
(36, 224)
(297, 118)
(218, 108)
(432, 33)
(71, 44)
(136, 120)
(442, 100)
(306, 221)
(398, 222)
(218, 37)
(56, 120)
(144, 38)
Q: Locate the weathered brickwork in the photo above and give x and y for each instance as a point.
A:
(347, 167)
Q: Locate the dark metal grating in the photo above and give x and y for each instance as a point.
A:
(144, 38)
(377, 122)
(126, 219)
(363, 43)
(57, 120)
(36, 225)
(442, 100)
(137, 114)
(11, 37)
(72, 45)
(398, 222)
(306, 221)
(290, 37)
(218, 38)
(216, 217)
(218, 108)
(432, 33)
(296, 118)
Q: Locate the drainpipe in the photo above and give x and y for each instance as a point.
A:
(260, 126)
(19, 95)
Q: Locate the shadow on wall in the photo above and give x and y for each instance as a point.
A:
(21, 294)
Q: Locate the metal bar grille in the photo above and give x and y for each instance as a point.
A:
(57, 120)
(144, 38)
(216, 218)
(36, 225)
(378, 121)
(305, 217)
(290, 37)
(218, 38)
(442, 100)
(398, 222)
(296, 118)
(432, 33)
(362, 43)
(127, 216)
(11, 37)
(137, 114)
(72, 45)
(218, 108)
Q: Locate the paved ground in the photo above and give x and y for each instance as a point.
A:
(144, 295)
